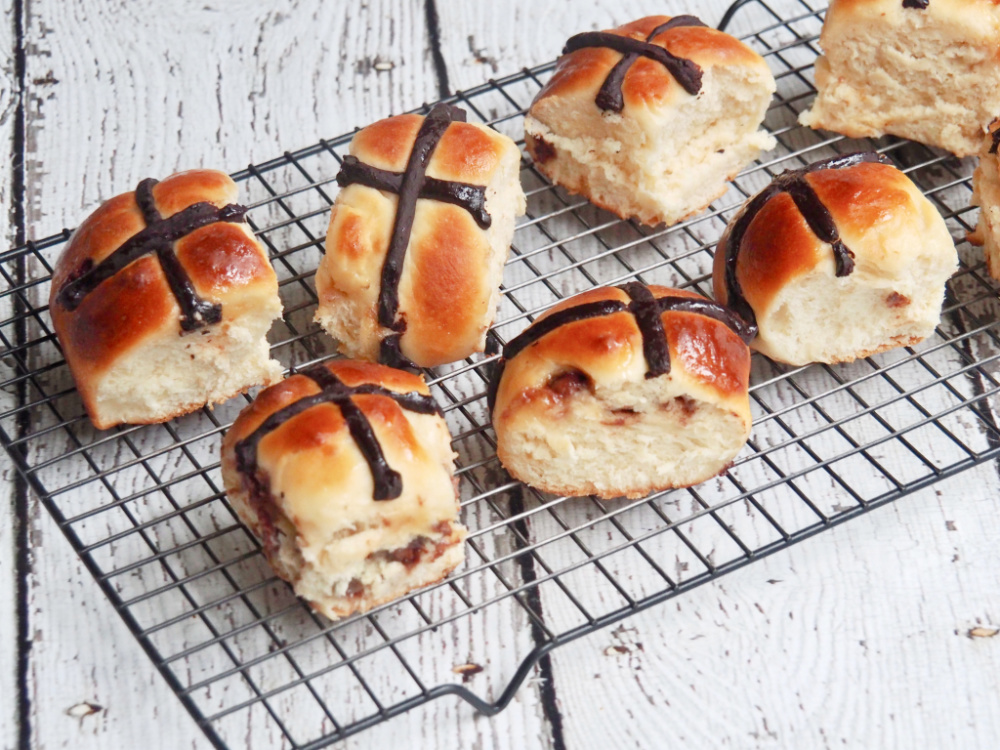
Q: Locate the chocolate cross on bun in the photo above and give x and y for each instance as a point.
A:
(345, 473)
(418, 237)
(162, 301)
(622, 391)
(839, 260)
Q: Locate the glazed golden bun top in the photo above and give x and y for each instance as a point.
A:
(880, 215)
(223, 260)
(607, 351)
(582, 72)
(311, 468)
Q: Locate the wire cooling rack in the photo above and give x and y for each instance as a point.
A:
(144, 506)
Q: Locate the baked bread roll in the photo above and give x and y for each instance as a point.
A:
(840, 260)
(622, 392)
(418, 238)
(162, 301)
(928, 70)
(986, 195)
(650, 120)
(345, 473)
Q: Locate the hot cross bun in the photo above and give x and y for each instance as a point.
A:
(836, 261)
(418, 238)
(623, 391)
(345, 472)
(162, 301)
(928, 70)
(650, 120)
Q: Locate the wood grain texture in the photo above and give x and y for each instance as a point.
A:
(858, 637)
(9, 93)
(195, 85)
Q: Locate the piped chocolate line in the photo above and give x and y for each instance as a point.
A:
(709, 309)
(644, 306)
(610, 97)
(388, 483)
(559, 319)
(654, 338)
(411, 185)
(157, 237)
(917, 4)
(470, 197)
(996, 141)
(816, 214)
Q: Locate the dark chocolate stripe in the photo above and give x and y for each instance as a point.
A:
(686, 72)
(816, 214)
(654, 339)
(611, 97)
(559, 319)
(495, 375)
(390, 353)
(157, 237)
(470, 197)
(387, 481)
(821, 222)
(675, 23)
(146, 202)
(709, 309)
(996, 141)
(195, 311)
(917, 4)
(411, 185)
(431, 130)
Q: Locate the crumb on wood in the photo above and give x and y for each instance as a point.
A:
(950, 525)
(479, 54)
(84, 708)
(378, 64)
(982, 632)
(467, 670)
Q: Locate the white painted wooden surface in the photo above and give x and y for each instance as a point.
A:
(856, 638)
(8, 592)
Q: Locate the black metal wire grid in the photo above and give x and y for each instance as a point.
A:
(144, 506)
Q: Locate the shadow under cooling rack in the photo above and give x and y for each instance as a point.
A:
(144, 506)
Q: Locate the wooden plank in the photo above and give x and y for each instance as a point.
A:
(859, 637)
(262, 94)
(747, 662)
(12, 582)
(274, 80)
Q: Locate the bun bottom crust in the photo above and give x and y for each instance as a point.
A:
(385, 575)
(860, 315)
(176, 375)
(626, 194)
(570, 439)
(956, 81)
(562, 169)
